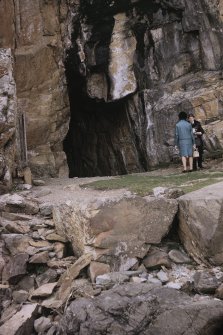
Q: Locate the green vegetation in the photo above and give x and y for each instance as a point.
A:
(143, 184)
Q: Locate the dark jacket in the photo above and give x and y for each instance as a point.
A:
(198, 128)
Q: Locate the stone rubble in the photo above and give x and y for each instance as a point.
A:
(39, 270)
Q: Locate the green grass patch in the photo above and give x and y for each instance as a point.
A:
(143, 184)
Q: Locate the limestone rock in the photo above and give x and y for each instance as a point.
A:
(21, 322)
(44, 290)
(117, 227)
(201, 223)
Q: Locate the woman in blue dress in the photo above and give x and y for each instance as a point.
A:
(184, 140)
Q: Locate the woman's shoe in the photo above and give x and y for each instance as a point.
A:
(184, 171)
(190, 171)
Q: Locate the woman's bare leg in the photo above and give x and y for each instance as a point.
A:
(191, 163)
(184, 161)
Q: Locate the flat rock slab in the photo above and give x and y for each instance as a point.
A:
(201, 224)
(21, 322)
(114, 227)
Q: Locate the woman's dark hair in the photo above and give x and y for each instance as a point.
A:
(182, 115)
(190, 114)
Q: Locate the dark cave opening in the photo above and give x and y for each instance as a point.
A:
(100, 140)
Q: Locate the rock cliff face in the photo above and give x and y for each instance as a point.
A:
(34, 34)
(137, 65)
(130, 67)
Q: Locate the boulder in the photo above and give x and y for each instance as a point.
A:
(115, 226)
(142, 309)
(201, 224)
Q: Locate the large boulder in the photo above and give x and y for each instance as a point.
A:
(143, 309)
(114, 228)
(201, 224)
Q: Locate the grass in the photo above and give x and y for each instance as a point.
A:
(143, 184)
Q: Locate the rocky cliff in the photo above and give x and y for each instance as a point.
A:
(128, 68)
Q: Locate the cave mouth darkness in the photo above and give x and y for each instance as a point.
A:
(100, 140)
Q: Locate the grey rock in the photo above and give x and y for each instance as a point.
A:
(17, 204)
(42, 324)
(205, 282)
(46, 210)
(20, 296)
(16, 243)
(156, 258)
(38, 182)
(48, 276)
(27, 283)
(162, 276)
(16, 268)
(41, 257)
(110, 279)
(44, 290)
(179, 257)
(154, 311)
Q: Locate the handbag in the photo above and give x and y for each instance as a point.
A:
(196, 153)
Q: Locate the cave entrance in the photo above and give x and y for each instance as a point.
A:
(103, 137)
(100, 140)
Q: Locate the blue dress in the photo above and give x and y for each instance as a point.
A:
(184, 138)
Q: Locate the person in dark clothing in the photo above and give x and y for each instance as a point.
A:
(184, 140)
(198, 134)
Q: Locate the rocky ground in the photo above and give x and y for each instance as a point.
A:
(128, 264)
